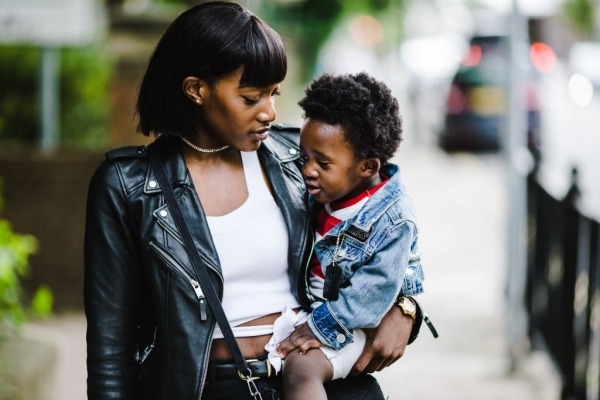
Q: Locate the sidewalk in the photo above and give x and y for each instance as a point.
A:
(462, 211)
(461, 206)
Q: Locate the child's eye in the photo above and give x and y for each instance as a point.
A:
(303, 158)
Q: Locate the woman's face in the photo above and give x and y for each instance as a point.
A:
(237, 116)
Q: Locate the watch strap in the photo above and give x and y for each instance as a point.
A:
(419, 318)
(416, 328)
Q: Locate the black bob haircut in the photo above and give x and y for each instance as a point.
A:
(208, 41)
(362, 106)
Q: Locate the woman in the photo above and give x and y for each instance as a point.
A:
(208, 93)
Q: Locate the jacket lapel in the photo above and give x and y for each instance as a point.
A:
(188, 201)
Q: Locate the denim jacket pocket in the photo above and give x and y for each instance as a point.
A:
(349, 257)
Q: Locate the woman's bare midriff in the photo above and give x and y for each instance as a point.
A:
(250, 346)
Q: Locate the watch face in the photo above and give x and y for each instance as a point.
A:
(410, 306)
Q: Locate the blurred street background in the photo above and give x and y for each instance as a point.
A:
(501, 154)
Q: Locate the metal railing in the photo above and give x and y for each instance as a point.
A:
(562, 297)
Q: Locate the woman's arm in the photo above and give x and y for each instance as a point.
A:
(386, 343)
(111, 290)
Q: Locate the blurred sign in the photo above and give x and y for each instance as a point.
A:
(51, 22)
(530, 8)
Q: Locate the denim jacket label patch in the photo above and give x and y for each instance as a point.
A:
(357, 233)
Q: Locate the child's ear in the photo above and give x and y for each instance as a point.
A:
(194, 88)
(371, 166)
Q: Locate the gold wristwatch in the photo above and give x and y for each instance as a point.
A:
(408, 306)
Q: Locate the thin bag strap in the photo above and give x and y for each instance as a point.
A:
(209, 291)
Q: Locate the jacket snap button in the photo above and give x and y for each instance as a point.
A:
(152, 184)
(163, 213)
(341, 338)
(293, 151)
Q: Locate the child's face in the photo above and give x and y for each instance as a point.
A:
(331, 170)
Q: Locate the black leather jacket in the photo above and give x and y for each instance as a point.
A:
(146, 338)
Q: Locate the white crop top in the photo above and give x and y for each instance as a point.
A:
(252, 243)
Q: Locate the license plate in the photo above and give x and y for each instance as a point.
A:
(487, 101)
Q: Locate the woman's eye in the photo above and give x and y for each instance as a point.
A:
(277, 93)
(250, 101)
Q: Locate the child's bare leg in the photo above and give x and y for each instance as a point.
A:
(305, 374)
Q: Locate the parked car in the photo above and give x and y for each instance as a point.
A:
(476, 102)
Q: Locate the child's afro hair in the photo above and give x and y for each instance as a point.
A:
(362, 106)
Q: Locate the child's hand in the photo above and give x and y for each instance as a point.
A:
(302, 339)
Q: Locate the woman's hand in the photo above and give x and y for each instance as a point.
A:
(302, 339)
(386, 343)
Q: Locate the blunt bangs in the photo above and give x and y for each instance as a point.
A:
(256, 48)
(265, 59)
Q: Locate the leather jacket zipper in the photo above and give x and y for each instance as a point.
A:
(148, 348)
(174, 265)
(306, 273)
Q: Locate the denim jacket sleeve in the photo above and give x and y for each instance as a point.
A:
(374, 286)
(413, 278)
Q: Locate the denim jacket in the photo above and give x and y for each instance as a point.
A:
(379, 258)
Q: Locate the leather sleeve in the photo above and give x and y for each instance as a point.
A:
(111, 289)
(290, 132)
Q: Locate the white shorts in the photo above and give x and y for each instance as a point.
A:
(343, 360)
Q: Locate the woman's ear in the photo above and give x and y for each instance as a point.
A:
(194, 88)
(371, 166)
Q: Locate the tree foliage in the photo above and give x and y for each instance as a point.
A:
(581, 14)
(84, 105)
(15, 250)
(309, 23)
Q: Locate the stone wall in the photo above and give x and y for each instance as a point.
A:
(46, 197)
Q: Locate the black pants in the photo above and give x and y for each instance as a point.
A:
(362, 387)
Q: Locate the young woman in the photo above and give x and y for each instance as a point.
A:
(208, 95)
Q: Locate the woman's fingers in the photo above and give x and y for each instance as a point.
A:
(386, 343)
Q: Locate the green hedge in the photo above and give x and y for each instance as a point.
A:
(84, 103)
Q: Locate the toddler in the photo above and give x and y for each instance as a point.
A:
(366, 254)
